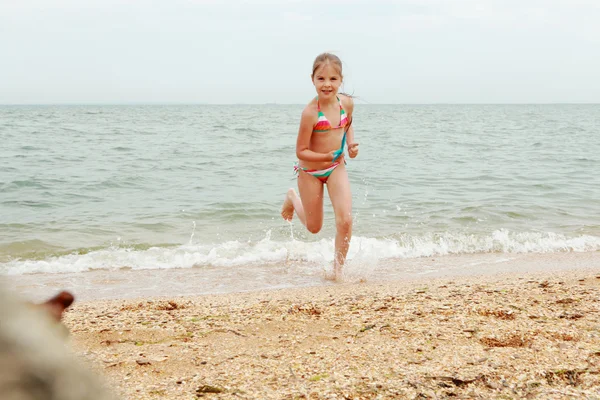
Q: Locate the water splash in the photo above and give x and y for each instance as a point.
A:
(364, 253)
(193, 232)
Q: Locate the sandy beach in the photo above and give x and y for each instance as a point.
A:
(509, 336)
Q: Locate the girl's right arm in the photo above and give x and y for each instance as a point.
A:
(307, 122)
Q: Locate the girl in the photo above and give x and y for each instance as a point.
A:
(325, 128)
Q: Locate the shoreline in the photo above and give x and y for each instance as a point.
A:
(131, 284)
(515, 335)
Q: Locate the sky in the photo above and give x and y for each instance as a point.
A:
(234, 51)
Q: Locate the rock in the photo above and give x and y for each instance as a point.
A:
(208, 389)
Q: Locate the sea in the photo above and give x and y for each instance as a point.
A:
(122, 201)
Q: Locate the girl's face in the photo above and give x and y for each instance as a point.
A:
(327, 81)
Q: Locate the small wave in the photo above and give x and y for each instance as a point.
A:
(30, 148)
(232, 254)
(154, 227)
(29, 183)
(28, 203)
(515, 215)
(69, 129)
(585, 160)
(126, 182)
(465, 219)
(34, 249)
(246, 130)
(8, 169)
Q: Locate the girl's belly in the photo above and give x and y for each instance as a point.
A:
(323, 143)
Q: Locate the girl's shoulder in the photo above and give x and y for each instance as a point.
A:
(347, 102)
(311, 110)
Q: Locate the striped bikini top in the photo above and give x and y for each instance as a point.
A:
(323, 124)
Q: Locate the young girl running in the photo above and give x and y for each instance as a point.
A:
(325, 129)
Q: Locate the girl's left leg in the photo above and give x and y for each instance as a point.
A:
(338, 188)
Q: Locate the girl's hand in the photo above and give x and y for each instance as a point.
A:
(352, 149)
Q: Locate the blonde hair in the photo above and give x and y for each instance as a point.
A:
(325, 58)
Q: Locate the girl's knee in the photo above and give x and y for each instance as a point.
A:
(314, 227)
(344, 223)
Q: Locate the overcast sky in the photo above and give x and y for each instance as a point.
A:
(233, 51)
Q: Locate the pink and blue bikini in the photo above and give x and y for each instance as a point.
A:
(323, 125)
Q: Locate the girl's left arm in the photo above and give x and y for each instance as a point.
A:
(352, 145)
(350, 136)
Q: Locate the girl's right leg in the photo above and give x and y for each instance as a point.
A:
(338, 187)
(309, 206)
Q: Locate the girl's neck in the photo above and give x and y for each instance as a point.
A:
(328, 102)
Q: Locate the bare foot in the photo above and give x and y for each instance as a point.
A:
(335, 276)
(337, 272)
(287, 210)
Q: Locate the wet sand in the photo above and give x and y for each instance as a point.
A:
(126, 283)
(509, 336)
